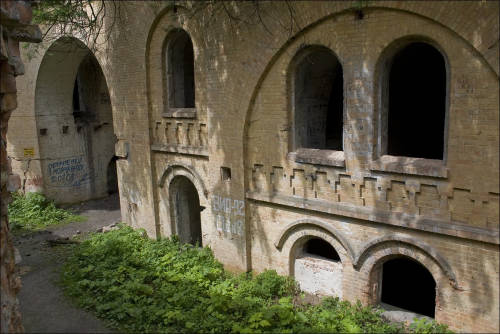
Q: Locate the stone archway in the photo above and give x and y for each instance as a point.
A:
(74, 123)
(383, 260)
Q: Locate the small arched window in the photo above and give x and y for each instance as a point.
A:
(415, 102)
(318, 100)
(180, 70)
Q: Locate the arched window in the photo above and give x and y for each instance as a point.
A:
(318, 100)
(180, 70)
(415, 102)
(408, 285)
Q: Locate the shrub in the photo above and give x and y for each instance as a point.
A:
(33, 211)
(141, 285)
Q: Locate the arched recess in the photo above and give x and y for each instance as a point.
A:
(407, 284)
(409, 244)
(74, 122)
(316, 96)
(167, 223)
(178, 70)
(373, 258)
(315, 257)
(302, 224)
(409, 68)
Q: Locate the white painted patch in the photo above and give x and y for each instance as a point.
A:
(319, 276)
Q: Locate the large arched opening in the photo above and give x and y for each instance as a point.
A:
(185, 210)
(403, 283)
(74, 124)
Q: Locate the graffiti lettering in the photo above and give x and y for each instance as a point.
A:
(228, 205)
(229, 214)
(72, 172)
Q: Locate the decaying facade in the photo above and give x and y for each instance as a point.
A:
(352, 145)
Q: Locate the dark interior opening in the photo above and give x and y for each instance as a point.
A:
(320, 247)
(408, 285)
(182, 62)
(76, 97)
(112, 177)
(417, 102)
(319, 102)
(187, 207)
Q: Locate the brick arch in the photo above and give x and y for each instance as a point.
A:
(164, 225)
(383, 248)
(303, 50)
(305, 224)
(300, 234)
(180, 169)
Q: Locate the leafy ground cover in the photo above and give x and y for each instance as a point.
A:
(32, 212)
(143, 285)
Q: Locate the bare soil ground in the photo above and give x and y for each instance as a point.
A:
(44, 307)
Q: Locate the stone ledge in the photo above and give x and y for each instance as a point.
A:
(180, 113)
(198, 151)
(404, 220)
(407, 165)
(318, 157)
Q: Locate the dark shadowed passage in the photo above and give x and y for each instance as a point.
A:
(408, 285)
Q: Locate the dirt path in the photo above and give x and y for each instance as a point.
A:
(43, 306)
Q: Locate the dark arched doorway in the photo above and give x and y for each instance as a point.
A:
(408, 285)
(185, 210)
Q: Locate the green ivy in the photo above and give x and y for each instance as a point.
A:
(33, 212)
(142, 285)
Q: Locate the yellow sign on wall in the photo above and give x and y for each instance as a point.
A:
(29, 152)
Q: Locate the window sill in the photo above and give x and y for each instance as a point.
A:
(407, 165)
(318, 157)
(180, 113)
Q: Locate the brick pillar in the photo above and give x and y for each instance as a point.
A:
(15, 19)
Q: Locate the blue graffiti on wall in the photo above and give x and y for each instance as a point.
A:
(70, 172)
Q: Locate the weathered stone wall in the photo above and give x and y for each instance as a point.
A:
(15, 19)
(442, 213)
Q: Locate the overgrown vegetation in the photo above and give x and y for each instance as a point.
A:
(33, 212)
(141, 285)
